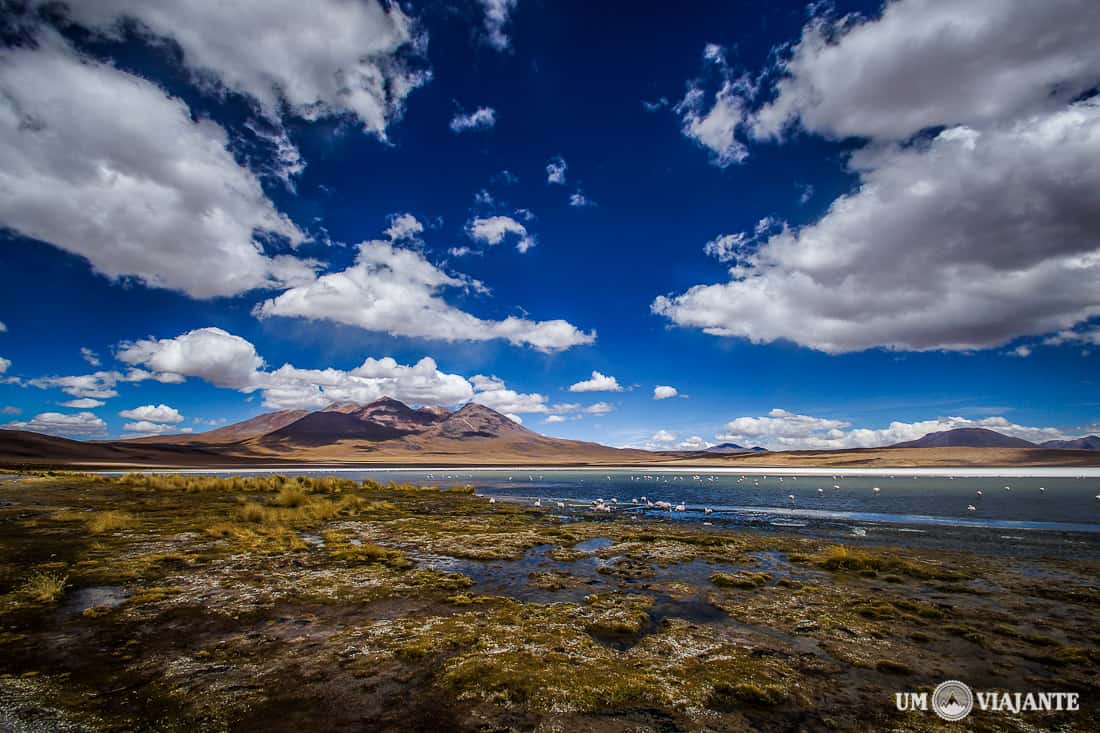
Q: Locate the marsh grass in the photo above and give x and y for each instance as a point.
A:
(869, 563)
(102, 522)
(44, 587)
(740, 580)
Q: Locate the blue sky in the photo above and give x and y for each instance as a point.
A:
(806, 220)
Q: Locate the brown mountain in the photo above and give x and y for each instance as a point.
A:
(259, 425)
(1089, 442)
(966, 438)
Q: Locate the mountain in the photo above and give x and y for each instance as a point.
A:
(389, 432)
(259, 425)
(1089, 442)
(966, 438)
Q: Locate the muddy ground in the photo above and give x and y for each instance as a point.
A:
(198, 604)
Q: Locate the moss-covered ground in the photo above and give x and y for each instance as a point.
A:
(279, 604)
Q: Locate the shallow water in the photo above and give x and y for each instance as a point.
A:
(1057, 514)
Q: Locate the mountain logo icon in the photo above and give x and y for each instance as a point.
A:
(952, 700)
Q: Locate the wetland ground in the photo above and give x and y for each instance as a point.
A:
(284, 604)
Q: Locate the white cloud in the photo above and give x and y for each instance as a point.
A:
(598, 383)
(663, 437)
(555, 170)
(783, 430)
(497, 14)
(578, 199)
(715, 127)
(316, 59)
(492, 392)
(555, 418)
(145, 427)
(84, 403)
(482, 118)
(966, 241)
(226, 360)
(1023, 351)
(600, 408)
(492, 230)
(90, 356)
(926, 64)
(211, 354)
(4, 364)
(726, 247)
(3, 327)
(1088, 336)
(76, 425)
(664, 392)
(153, 413)
(694, 442)
(397, 291)
(97, 385)
(104, 165)
(404, 226)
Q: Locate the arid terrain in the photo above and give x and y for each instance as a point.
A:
(198, 604)
(390, 433)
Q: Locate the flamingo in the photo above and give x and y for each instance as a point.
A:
(492, 501)
(708, 510)
(538, 502)
(681, 507)
(876, 489)
(978, 493)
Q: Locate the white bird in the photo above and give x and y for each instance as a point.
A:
(790, 498)
(680, 507)
(561, 505)
(538, 502)
(708, 510)
(1041, 489)
(971, 508)
(492, 501)
(876, 489)
(836, 486)
(978, 492)
(821, 491)
(1008, 488)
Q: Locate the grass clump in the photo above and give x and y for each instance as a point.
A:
(43, 587)
(342, 547)
(869, 564)
(740, 580)
(727, 695)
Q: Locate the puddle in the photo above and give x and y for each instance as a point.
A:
(593, 545)
(312, 540)
(110, 596)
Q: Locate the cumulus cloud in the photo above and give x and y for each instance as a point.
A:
(978, 237)
(4, 364)
(555, 418)
(664, 392)
(555, 170)
(784, 430)
(90, 356)
(397, 291)
(315, 59)
(926, 64)
(146, 427)
(74, 425)
(578, 199)
(497, 15)
(153, 413)
(404, 226)
(598, 383)
(226, 360)
(83, 403)
(694, 442)
(493, 392)
(600, 408)
(493, 230)
(105, 165)
(97, 385)
(714, 125)
(663, 437)
(482, 118)
(211, 354)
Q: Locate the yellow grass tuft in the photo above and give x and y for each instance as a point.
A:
(43, 587)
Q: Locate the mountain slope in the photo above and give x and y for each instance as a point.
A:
(966, 438)
(259, 425)
(1089, 442)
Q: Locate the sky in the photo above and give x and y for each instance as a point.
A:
(823, 225)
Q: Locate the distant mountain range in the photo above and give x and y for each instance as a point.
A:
(723, 448)
(985, 438)
(390, 432)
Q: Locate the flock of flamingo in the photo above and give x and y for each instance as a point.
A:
(644, 503)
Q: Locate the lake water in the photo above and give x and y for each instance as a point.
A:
(1019, 512)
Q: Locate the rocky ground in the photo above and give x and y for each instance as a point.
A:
(187, 603)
